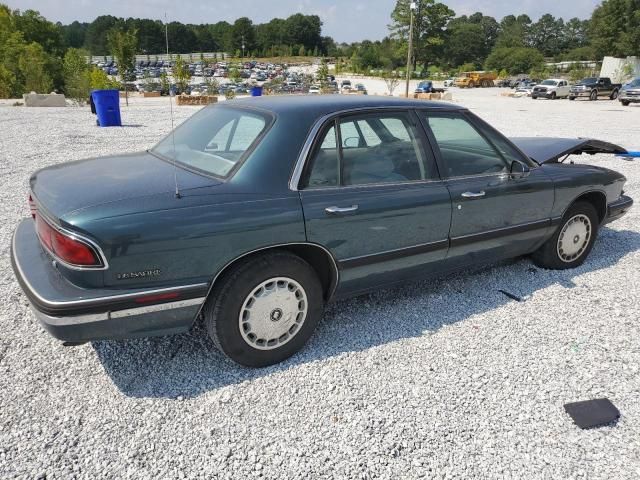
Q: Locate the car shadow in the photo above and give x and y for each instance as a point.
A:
(188, 365)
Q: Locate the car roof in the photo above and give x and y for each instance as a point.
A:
(320, 105)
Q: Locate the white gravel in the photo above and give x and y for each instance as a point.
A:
(445, 379)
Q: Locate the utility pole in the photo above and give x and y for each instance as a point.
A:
(243, 48)
(412, 7)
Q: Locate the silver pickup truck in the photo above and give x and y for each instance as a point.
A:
(630, 93)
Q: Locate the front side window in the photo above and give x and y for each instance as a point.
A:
(213, 140)
(463, 149)
(369, 149)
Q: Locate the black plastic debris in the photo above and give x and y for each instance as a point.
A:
(512, 296)
(592, 413)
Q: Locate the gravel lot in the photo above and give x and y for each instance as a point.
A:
(444, 379)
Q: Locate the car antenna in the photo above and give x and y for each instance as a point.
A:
(173, 135)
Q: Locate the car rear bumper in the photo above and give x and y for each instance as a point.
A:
(619, 208)
(75, 314)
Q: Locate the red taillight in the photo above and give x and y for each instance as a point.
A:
(32, 206)
(64, 247)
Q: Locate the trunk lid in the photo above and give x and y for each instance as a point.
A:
(550, 150)
(65, 188)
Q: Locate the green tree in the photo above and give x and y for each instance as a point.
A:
(7, 82)
(181, 74)
(122, 45)
(465, 44)
(76, 75)
(546, 35)
(32, 64)
(243, 31)
(36, 28)
(96, 34)
(98, 80)
(430, 20)
(515, 60)
(514, 32)
(615, 28)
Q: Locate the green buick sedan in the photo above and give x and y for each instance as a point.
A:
(253, 214)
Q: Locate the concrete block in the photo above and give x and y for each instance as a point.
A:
(447, 96)
(44, 100)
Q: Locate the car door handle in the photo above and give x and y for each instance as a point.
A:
(479, 194)
(339, 210)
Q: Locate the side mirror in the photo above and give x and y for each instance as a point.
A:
(519, 170)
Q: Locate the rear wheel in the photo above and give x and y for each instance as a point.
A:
(594, 95)
(471, 84)
(573, 240)
(265, 309)
(614, 95)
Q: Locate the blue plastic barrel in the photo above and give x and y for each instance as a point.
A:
(256, 91)
(107, 104)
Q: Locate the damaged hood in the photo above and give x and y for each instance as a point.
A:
(550, 150)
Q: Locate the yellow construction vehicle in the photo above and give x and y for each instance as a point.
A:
(475, 79)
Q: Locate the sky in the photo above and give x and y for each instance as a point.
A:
(345, 21)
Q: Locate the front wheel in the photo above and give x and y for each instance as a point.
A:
(572, 98)
(573, 240)
(553, 95)
(265, 309)
(625, 103)
(594, 95)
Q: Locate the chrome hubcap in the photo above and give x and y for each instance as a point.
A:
(273, 313)
(574, 238)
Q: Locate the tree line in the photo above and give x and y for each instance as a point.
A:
(33, 49)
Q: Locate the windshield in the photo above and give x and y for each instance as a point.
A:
(635, 83)
(214, 140)
(549, 82)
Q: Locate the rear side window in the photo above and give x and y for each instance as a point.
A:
(463, 149)
(372, 149)
(214, 140)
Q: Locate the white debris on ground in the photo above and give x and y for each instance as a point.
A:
(443, 379)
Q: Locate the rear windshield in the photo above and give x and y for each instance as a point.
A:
(214, 140)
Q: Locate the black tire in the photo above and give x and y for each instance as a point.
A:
(548, 256)
(625, 103)
(572, 98)
(553, 95)
(614, 95)
(534, 97)
(593, 96)
(224, 305)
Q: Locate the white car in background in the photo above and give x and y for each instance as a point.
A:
(314, 90)
(448, 82)
(551, 88)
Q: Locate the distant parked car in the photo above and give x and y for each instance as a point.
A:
(426, 86)
(314, 90)
(361, 88)
(630, 93)
(449, 82)
(551, 88)
(595, 87)
(286, 204)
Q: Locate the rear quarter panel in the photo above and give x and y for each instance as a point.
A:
(190, 244)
